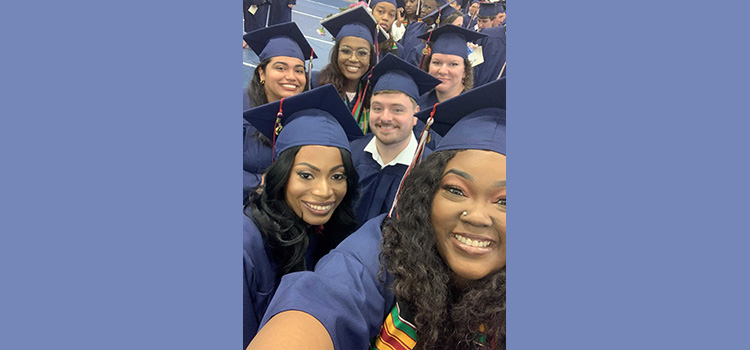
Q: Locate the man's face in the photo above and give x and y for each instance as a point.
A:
(392, 118)
(484, 22)
(498, 19)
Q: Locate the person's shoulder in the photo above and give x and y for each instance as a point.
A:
(368, 235)
(358, 146)
(314, 78)
(252, 240)
(494, 32)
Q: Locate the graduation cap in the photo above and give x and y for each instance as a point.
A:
(375, 2)
(315, 117)
(488, 9)
(444, 10)
(472, 120)
(451, 40)
(357, 22)
(393, 73)
(283, 39)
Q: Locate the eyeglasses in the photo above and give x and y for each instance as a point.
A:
(347, 52)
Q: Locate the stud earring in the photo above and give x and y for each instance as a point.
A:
(464, 214)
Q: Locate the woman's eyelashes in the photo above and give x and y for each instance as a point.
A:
(454, 190)
(305, 175)
(309, 176)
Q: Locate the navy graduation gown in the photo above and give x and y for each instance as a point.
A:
(400, 52)
(280, 11)
(314, 79)
(257, 20)
(378, 187)
(469, 23)
(413, 30)
(259, 275)
(434, 137)
(493, 51)
(256, 157)
(414, 54)
(259, 279)
(427, 100)
(344, 293)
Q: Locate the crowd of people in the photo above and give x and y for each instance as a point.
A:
(374, 193)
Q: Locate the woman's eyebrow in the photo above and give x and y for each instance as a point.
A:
(309, 165)
(460, 173)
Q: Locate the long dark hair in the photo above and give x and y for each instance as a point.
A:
(285, 233)
(255, 89)
(445, 317)
(331, 74)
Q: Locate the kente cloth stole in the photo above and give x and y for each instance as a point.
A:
(399, 333)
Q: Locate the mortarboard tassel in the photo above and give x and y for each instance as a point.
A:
(277, 129)
(309, 69)
(424, 137)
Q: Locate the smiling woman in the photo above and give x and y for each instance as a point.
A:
(432, 276)
(352, 56)
(304, 208)
(448, 61)
(282, 50)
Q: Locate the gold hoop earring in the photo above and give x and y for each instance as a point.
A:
(262, 82)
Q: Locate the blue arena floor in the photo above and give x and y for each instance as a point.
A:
(307, 14)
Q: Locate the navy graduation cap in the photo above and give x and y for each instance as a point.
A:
(283, 39)
(488, 9)
(444, 10)
(393, 73)
(315, 117)
(472, 120)
(375, 2)
(357, 22)
(451, 40)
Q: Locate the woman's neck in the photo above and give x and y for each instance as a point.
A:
(350, 85)
(442, 96)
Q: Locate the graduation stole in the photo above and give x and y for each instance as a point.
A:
(399, 333)
(360, 114)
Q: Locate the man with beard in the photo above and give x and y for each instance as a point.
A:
(382, 157)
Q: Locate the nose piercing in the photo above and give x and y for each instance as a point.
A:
(464, 214)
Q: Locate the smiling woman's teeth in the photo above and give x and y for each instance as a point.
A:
(320, 207)
(352, 69)
(289, 86)
(471, 242)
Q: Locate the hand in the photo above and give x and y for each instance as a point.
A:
(291, 5)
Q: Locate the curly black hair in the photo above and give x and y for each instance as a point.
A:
(446, 317)
(285, 233)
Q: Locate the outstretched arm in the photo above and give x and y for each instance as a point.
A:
(292, 330)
